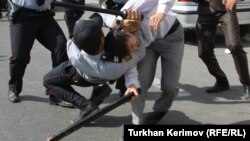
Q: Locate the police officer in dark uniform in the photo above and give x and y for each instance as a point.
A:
(30, 20)
(3, 5)
(72, 15)
(210, 14)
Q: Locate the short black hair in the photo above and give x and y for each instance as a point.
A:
(116, 43)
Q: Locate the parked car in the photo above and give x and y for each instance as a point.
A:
(187, 14)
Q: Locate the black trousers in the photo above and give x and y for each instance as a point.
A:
(3, 4)
(24, 30)
(72, 15)
(58, 83)
(206, 31)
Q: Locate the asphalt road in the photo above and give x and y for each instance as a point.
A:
(34, 119)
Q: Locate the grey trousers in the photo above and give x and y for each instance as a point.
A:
(170, 50)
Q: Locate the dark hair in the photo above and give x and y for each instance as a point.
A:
(116, 43)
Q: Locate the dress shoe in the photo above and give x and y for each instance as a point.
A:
(92, 107)
(218, 86)
(13, 97)
(60, 103)
(100, 93)
(153, 118)
(87, 111)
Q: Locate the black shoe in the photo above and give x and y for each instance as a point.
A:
(100, 93)
(218, 86)
(60, 103)
(13, 97)
(121, 93)
(90, 109)
(153, 118)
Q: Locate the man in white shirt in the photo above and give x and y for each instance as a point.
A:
(164, 38)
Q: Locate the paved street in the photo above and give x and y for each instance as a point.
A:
(34, 119)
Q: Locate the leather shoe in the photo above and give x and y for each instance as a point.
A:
(153, 118)
(60, 103)
(90, 109)
(218, 86)
(13, 97)
(100, 93)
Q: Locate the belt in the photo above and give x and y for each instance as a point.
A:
(34, 11)
(173, 28)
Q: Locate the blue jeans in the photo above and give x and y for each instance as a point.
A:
(170, 49)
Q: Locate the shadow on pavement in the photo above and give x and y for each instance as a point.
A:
(171, 118)
(34, 98)
(245, 122)
(234, 95)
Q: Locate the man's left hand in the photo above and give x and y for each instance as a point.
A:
(155, 21)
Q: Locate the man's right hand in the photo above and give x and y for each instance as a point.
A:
(132, 23)
(132, 88)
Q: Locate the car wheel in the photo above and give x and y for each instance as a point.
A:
(102, 4)
(244, 29)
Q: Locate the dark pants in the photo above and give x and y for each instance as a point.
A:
(206, 31)
(23, 32)
(3, 4)
(58, 84)
(72, 15)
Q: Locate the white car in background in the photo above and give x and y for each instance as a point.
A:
(187, 14)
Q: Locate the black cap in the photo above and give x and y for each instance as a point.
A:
(87, 34)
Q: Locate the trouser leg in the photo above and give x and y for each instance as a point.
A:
(146, 70)
(171, 51)
(21, 44)
(231, 31)
(53, 38)
(206, 32)
(241, 65)
(58, 83)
